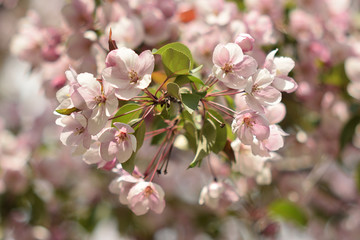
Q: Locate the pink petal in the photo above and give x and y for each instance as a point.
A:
(268, 95)
(254, 104)
(275, 114)
(145, 64)
(285, 83)
(269, 61)
(129, 57)
(220, 55)
(247, 67)
(235, 53)
(263, 78)
(127, 93)
(284, 65)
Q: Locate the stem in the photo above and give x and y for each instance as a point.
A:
(222, 106)
(220, 109)
(154, 158)
(218, 94)
(221, 123)
(150, 95)
(132, 111)
(163, 155)
(211, 170)
(157, 90)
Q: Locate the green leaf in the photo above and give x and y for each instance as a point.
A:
(348, 131)
(184, 79)
(129, 165)
(209, 132)
(221, 133)
(195, 70)
(205, 143)
(175, 62)
(140, 135)
(128, 117)
(191, 134)
(288, 211)
(178, 47)
(190, 101)
(67, 111)
(201, 152)
(174, 90)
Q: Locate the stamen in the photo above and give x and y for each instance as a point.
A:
(227, 68)
(133, 76)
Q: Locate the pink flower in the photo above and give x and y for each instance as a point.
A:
(280, 67)
(259, 92)
(218, 195)
(128, 32)
(96, 96)
(231, 66)
(144, 196)
(245, 41)
(128, 72)
(117, 142)
(122, 186)
(249, 124)
(75, 132)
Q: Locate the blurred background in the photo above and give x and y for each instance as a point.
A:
(46, 193)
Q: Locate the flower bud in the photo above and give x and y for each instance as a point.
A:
(245, 41)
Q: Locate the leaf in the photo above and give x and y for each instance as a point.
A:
(190, 101)
(174, 90)
(209, 132)
(288, 211)
(129, 165)
(128, 117)
(348, 131)
(140, 135)
(175, 62)
(178, 47)
(206, 141)
(67, 111)
(195, 70)
(201, 152)
(221, 133)
(184, 79)
(190, 134)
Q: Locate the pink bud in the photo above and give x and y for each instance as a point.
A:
(245, 41)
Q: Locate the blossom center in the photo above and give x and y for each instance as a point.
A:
(255, 88)
(79, 131)
(100, 99)
(122, 136)
(133, 76)
(148, 191)
(227, 68)
(248, 122)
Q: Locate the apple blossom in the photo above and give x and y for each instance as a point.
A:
(249, 124)
(144, 196)
(122, 185)
(96, 96)
(117, 142)
(280, 67)
(231, 66)
(127, 72)
(259, 92)
(245, 41)
(218, 195)
(75, 131)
